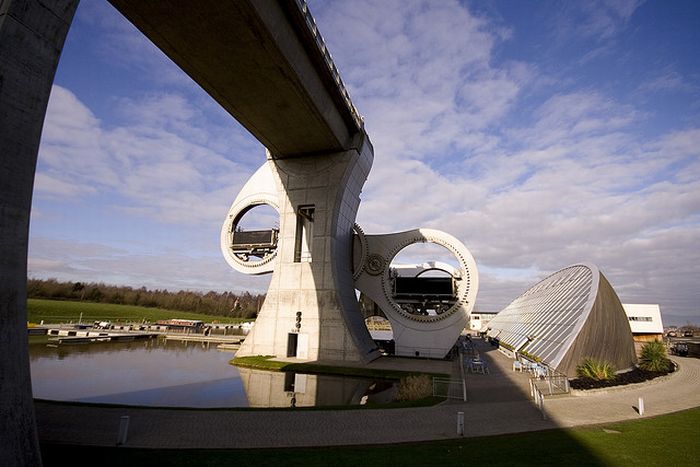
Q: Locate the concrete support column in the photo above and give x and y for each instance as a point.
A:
(32, 34)
(311, 311)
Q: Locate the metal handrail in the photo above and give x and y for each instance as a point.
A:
(557, 382)
(328, 59)
(538, 397)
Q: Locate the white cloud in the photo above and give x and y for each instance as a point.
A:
(95, 262)
(601, 20)
(421, 73)
(44, 184)
(159, 161)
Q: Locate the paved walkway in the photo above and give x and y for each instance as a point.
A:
(498, 403)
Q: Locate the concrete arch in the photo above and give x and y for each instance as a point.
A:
(32, 35)
(428, 336)
(260, 189)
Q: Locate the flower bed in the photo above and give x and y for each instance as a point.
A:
(631, 377)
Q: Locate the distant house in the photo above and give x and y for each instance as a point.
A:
(479, 319)
(645, 323)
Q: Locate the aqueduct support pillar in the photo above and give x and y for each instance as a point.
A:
(311, 310)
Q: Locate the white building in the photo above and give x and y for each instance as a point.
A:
(645, 323)
(479, 319)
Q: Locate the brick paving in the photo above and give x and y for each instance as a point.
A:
(497, 403)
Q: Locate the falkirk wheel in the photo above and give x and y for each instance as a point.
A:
(319, 257)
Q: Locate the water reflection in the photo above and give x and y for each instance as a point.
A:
(154, 372)
(171, 373)
(274, 389)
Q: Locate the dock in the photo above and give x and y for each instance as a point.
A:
(75, 336)
(84, 334)
(219, 339)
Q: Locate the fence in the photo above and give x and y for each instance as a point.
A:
(552, 383)
(449, 388)
(538, 397)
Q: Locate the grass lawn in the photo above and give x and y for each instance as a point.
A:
(262, 362)
(666, 440)
(58, 311)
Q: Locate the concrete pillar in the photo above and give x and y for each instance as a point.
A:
(311, 305)
(32, 33)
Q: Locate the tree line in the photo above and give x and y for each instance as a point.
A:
(228, 304)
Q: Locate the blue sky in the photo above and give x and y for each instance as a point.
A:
(539, 133)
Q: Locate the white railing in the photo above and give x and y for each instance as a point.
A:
(538, 397)
(546, 380)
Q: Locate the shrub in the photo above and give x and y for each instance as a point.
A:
(412, 388)
(653, 357)
(595, 369)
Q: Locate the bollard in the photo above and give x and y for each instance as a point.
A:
(460, 423)
(641, 406)
(123, 429)
(540, 399)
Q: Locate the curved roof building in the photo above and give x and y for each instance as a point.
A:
(570, 315)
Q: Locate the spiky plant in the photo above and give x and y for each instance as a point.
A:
(653, 357)
(412, 388)
(596, 370)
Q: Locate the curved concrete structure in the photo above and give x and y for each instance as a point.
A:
(421, 335)
(569, 316)
(310, 311)
(31, 38)
(261, 189)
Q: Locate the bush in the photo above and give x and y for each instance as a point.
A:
(413, 388)
(653, 357)
(595, 369)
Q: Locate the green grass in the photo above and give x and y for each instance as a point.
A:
(265, 362)
(58, 311)
(666, 440)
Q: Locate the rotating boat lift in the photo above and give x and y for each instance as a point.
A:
(427, 314)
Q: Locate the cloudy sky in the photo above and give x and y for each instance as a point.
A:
(539, 133)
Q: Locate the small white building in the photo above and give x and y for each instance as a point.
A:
(645, 323)
(479, 319)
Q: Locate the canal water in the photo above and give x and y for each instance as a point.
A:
(168, 373)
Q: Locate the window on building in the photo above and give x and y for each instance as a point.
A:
(304, 234)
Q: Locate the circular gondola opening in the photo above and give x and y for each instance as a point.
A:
(424, 279)
(255, 233)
